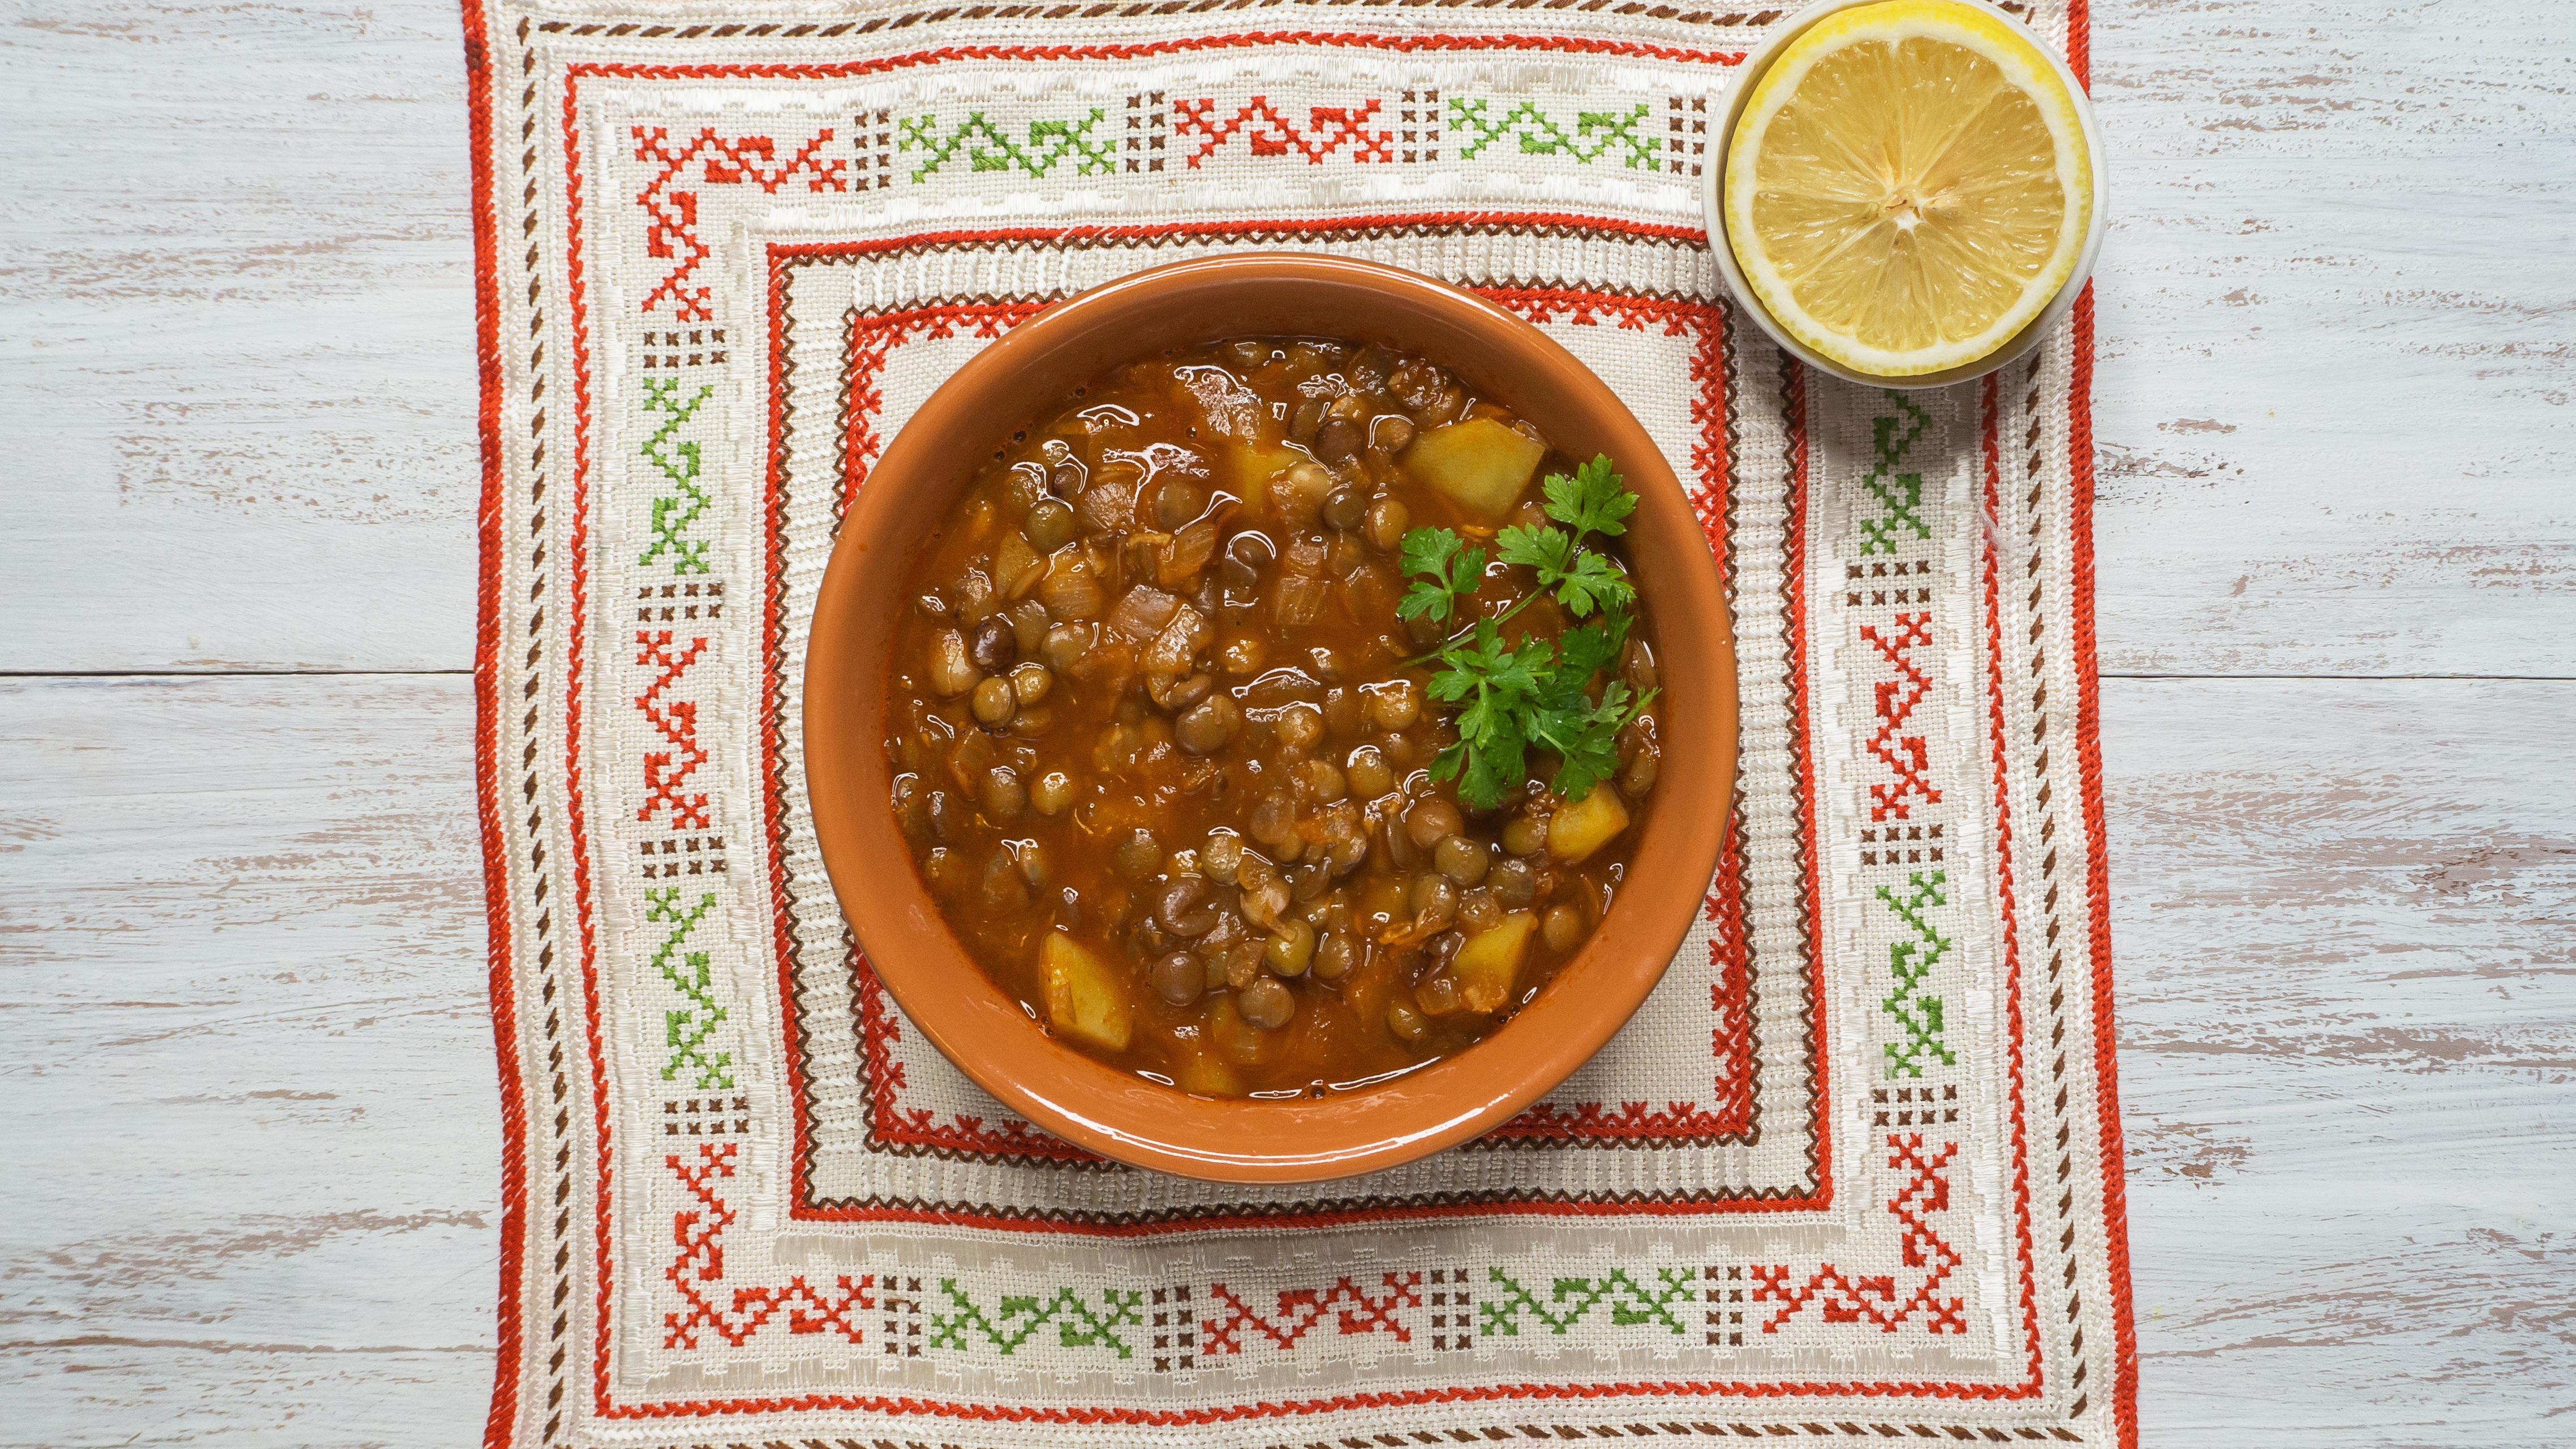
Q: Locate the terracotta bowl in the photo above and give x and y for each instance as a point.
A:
(987, 1034)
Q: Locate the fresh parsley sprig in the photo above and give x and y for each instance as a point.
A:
(1454, 568)
(1537, 694)
(1595, 500)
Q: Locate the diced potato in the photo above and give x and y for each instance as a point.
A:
(1204, 1074)
(1085, 998)
(1581, 828)
(1484, 466)
(1488, 966)
(1249, 468)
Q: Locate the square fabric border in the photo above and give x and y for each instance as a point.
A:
(1672, 1120)
(1853, 1172)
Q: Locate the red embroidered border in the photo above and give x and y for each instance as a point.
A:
(513, 1244)
(1992, 444)
(872, 342)
(1142, 50)
(902, 1405)
(2097, 877)
(499, 1420)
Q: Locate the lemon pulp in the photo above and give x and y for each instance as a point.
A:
(1908, 186)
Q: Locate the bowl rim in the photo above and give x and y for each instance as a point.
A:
(1713, 203)
(981, 1029)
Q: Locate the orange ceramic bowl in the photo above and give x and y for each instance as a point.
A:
(906, 499)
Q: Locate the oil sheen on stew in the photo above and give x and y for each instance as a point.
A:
(1170, 758)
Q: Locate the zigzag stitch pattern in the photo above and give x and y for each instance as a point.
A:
(1300, 1309)
(1901, 494)
(1327, 130)
(671, 229)
(1912, 962)
(688, 1029)
(1839, 1298)
(1631, 1304)
(676, 511)
(1077, 1325)
(699, 1269)
(1906, 756)
(667, 771)
(987, 149)
(1593, 136)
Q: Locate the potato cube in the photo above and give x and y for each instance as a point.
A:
(1488, 966)
(1249, 469)
(1085, 997)
(1579, 829)
(1203, 1074)
(1484, 466)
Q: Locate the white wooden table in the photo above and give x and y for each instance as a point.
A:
(254, 1146)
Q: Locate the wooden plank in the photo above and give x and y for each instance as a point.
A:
(243, 953)
(2332, 403)
(2345, 932)
(243, 949)
(241, 302)
(2332, 397)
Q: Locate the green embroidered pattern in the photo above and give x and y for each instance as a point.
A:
(1631, 1304)
(1912, 962)
(675, 511)
(1901, 494)
(1050, 144)
(1077, 1325)
(1595, 133)
(688, 1029)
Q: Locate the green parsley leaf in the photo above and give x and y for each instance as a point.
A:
(1423, 599)
(1582, 581)
(1428, 551)
(1590, 746)
(1595, 500)
(1593, 583)
(1548, 550)
(1587, 651)
(1455, 572)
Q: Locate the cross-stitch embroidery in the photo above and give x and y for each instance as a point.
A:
(951, 1275)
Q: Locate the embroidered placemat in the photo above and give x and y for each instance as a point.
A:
(1853, 1173)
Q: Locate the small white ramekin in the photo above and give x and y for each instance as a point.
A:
(1713, 200)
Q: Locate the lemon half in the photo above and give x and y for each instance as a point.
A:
(1908, 186)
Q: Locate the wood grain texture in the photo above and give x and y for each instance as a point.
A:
(241, 953)
(242, 944)
(2344, 931)
(2333, 398)
(2336, 398)
(239, 312)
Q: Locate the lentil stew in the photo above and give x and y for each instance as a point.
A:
(1231, 715)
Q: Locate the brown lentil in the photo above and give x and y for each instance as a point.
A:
(994, 702)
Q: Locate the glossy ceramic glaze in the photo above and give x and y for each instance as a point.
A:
(944, 994)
